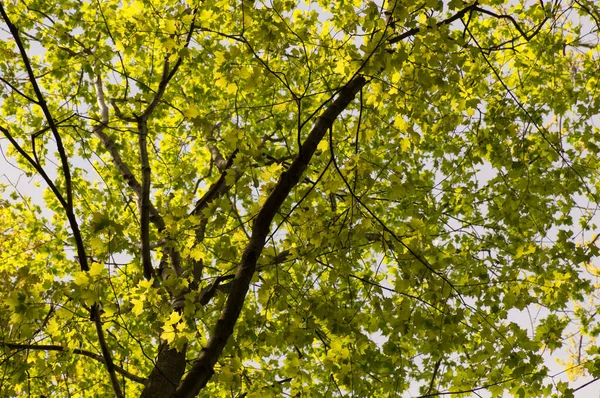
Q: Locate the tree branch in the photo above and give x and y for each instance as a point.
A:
(447, 21)
(202, 369)
(513, 21)
(16, 90)
(145, 199)
(89, 354)
(110, 145)
(66, 204)
(168, 75)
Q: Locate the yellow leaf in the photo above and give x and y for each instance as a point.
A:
(270, 171)
(191, 111)
(341, 68)
(206, 15)
(323, 145)
(110, 309)
(197, 253)
(404, 144)
(400, 123)
(138, 306)
(168, 334)
(222, 82)
(219, 57)
(174, 318)
(144, 284)
(169, 26)
(524, 250)
(81, 279)
(12, 300)
(417, 224)
(169, 44)
(187, 19)
(226, 376)
(64, 313)
(96, 269)
(89, 297)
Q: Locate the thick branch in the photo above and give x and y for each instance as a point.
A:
(111, 147)
(167, 372)
(89, 354)
(202, 369)
(145, 200)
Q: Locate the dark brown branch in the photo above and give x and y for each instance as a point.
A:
(94, 311)
(127, 174)
(513, 21)
(168, 75)
(89, 354)
(145, 200)
(209, 292)
(168, 370)
(447, 21)
(142, 122)
(16, 90)
(110, 366)
(202, 369)
(595, 379)
(66, 204)
(216, 190)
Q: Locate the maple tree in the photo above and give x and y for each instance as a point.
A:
(247, 198)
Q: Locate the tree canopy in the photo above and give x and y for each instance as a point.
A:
(323, 198)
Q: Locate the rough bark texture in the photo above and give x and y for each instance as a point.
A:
(166, 374)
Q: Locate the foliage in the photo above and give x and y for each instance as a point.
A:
(248, 198)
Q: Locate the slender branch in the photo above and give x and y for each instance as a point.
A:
(595, 379)
(68, 203)
(447, 21)
(168, 75)
(142, 122)
(108, 362)
(436, 368)
(16, 90)
(111, 147)
(215, 154)
(513, 21)
(86, 353)
(216, 189)
(147, 210)
(208, 292)
(202, 368)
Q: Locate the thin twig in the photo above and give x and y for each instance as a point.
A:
(86, 353)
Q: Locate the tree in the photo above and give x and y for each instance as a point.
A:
(309, 199)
